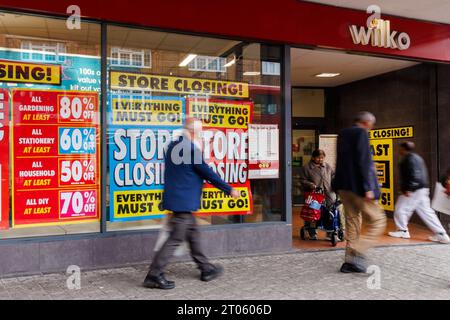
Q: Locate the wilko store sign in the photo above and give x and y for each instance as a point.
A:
(379, 34)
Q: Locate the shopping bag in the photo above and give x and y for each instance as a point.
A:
(441, 201)
(311, 211)
(164, 233)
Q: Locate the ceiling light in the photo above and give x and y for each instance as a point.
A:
(229, 64)
(186, 60)
(327, 75)
(252, 73)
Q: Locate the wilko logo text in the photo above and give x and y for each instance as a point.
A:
(379, 34)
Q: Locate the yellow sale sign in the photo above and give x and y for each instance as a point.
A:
(383, 156)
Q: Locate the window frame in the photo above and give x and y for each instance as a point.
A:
(104, 233)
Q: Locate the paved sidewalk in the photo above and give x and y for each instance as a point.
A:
(413, 272)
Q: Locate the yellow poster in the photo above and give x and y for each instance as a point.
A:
(215, 200)
(383, 156)
(221, 113)
(24, 72)
(145, 203)
(392, 133)
(137, 203)
(156, 111)
(178, 85)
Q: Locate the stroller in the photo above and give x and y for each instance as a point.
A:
(325, 218)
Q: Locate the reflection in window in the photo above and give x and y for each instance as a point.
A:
(43, 51)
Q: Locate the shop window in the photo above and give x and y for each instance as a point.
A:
(145, 115)
(50, 128)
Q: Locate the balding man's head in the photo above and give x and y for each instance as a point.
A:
(365, 120)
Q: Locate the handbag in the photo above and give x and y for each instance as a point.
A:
(441, 201)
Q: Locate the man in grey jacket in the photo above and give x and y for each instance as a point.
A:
(415, 196)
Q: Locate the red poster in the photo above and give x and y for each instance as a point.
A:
(56, 157)
(225, 137)
(4, 159)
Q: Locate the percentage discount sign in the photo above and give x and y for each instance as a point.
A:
(89, 170)
(77, 140)
(89, 109)
(89, 139)
(75, 108)
(77, 172)
(78, 204)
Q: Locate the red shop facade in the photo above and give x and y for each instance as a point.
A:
(74, 189)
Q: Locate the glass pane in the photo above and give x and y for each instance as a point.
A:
(147, 110)
(51, 144)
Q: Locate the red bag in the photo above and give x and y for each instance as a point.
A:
(311, 210)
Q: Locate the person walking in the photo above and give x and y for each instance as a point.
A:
(357, 186)
(318, 174)
(185, 171)
(415, 196)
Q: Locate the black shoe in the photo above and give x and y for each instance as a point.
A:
(211, 274)
(159, 282)
(352, 268)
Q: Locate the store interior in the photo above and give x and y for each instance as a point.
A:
(321, 80)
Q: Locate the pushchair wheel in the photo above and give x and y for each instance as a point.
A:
(302, 234)
(341, 235)
(334, 239)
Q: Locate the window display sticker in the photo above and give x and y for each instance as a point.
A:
(225, 147)
(170, 84)
(56, 157)
(24, 72)
(141, 129)
(4, 159)
(264, 162)
(383, 156)
(76, 72)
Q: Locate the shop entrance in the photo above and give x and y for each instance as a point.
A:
(328, 88)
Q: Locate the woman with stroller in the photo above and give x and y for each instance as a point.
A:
(318, 174)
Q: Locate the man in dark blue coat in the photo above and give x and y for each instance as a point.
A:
(185, 172)
(357, 185)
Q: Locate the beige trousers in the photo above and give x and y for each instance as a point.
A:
(359, 211)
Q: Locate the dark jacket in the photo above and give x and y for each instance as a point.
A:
(355, 169)
(413, 173)
(183, 180)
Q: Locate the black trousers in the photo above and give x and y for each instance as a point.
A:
(183, 227)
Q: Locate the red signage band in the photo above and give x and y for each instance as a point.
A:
(291, 21)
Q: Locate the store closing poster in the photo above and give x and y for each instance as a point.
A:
(383, 156)
(142, 126)
(56, 157)
(225, 147)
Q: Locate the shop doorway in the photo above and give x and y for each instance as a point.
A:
(323, 86)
